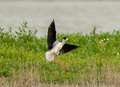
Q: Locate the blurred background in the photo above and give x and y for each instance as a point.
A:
(70, 15)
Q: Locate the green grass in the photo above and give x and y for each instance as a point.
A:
(21, 51)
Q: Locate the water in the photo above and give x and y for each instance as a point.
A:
(69, 16)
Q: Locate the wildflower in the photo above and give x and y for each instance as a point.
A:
(118, 53)
(107, 39)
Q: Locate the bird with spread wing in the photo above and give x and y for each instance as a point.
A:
(55, 47)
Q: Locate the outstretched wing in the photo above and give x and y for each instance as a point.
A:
(51, 37)
(68, 47)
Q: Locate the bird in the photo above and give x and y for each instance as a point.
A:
(56, 47)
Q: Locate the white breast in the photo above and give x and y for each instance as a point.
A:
(52, 54)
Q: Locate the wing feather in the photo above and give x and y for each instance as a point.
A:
(51, 37)
(68, 47)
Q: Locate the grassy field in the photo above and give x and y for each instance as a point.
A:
(95, 63)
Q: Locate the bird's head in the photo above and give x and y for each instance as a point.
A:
(65, 39)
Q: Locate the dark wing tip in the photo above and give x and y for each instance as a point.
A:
(68, 47)
(51, 38)
(52, 25)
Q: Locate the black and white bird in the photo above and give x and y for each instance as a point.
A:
(55, 47)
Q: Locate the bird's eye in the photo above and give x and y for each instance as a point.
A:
(64, 37)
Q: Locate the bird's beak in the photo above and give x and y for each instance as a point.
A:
(66, 39)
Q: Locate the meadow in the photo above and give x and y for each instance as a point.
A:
(95, 63)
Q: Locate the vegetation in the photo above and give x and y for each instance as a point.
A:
(96, 61)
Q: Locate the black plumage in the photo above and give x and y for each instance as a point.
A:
(68, 47)
(51, 38)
